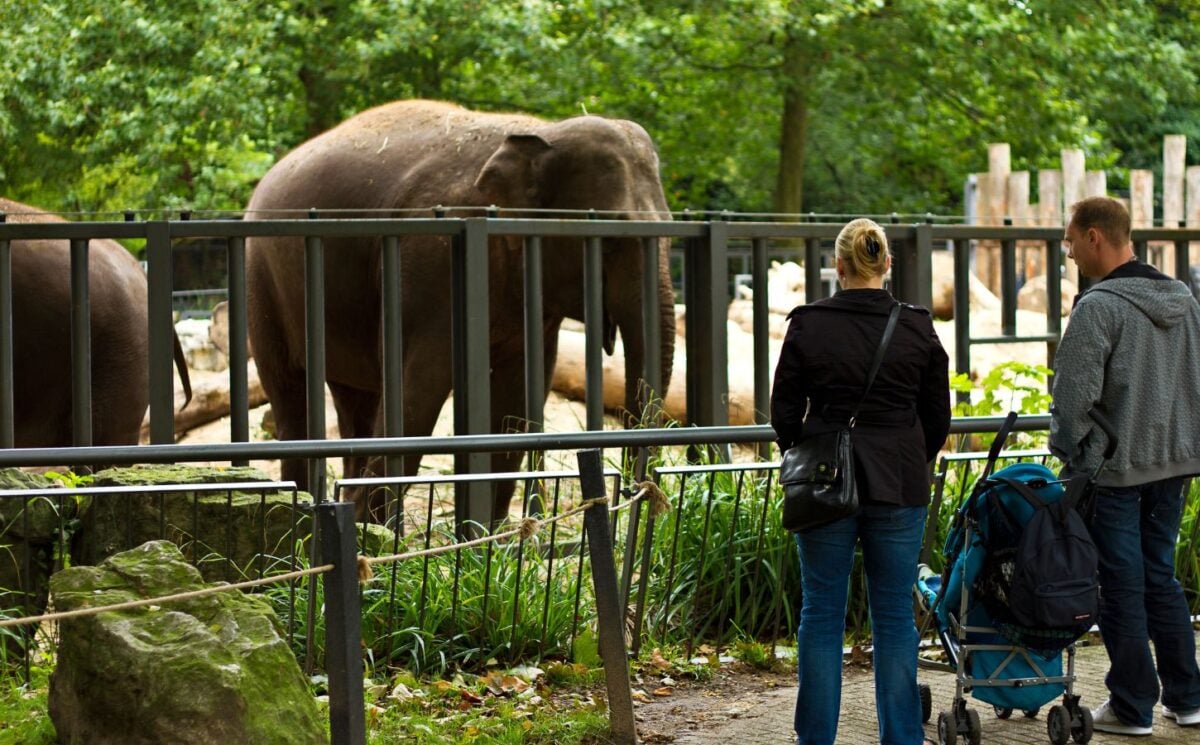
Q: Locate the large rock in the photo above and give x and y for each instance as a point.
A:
(213, 669)
(1032, 295)
(229, 535)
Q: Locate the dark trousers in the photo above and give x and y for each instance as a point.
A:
(1136, 529)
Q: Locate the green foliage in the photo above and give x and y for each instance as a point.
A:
(132, 104)
(1010, 386)
(717, 560)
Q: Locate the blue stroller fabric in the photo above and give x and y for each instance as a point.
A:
(991, 532)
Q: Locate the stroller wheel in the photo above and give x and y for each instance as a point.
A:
(1002, 712)
(926, 701)
(1082, 732)
(1058, 725)
(974, 727)
(1030, 713)
(947, 728)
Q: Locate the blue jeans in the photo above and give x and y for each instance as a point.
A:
(1135, 529)
(891, 544)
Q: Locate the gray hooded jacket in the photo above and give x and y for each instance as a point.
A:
(1132, 349)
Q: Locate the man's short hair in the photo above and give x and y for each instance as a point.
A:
(1104, 214)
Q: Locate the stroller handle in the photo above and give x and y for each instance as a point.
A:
(1102, 421)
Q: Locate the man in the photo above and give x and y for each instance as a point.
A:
(1132, 350)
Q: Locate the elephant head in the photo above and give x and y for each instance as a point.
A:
(603, 164)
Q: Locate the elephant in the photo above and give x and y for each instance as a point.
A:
(405, 158)
(41, 309)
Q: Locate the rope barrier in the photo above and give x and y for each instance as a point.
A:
(95, 610)
(528, 527)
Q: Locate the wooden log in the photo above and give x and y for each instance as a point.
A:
(210, 400)
(1174, 161)
(1073, 190)
(1050, 204)
(1029, 254)
(1095, 184)
(1193, 210)
(994, 208)
(1141, 197)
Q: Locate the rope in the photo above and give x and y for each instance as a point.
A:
(526, 530)
(92, 611)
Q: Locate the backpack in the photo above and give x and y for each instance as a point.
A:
(1054, 569)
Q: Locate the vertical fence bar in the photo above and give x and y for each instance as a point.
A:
(1053, 303)
(343, 635)
(472, 392)
(762, 338)
(651, 318)
(922, 270)
(1183, 268)
(314, 325)
(393, 361)
(81, 345)
(707, 323)
(814, 288)
(7, 427)
(239, 396)
(162, 332)
(1008, 283)
(593, 337)
(610, 620)
(535, 360)
(962, 311)
(1141, 249)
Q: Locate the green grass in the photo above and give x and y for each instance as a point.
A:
(24, 714)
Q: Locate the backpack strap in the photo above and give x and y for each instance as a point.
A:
(998, 443)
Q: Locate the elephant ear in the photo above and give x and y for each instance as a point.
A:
(509, 178)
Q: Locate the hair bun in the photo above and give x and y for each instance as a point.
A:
(873, 246)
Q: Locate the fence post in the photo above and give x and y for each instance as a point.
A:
(7, 431)
(343, 634)
(162, 332)
(611, 627)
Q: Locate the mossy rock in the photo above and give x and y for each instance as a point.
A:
(29, 529)
(204, 670)
(230, 535)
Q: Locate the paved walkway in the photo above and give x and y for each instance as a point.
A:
(771, 720)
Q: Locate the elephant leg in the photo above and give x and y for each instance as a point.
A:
(508, 415)
(284, 385)
(356, 412)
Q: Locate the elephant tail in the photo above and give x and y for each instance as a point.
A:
(181, 364)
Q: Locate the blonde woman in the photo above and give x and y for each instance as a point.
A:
(901, 425)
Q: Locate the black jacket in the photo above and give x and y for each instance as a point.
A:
(823, 368)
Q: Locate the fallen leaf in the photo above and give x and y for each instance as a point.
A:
(664, 691)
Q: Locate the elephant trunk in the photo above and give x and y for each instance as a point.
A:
(629, 320)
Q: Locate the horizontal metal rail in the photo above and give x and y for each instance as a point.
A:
(749, 434)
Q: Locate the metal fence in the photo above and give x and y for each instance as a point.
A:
(706, 278)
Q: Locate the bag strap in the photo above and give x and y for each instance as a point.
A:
(998, 443)
(893, 317)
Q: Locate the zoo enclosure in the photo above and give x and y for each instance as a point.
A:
(706, 246)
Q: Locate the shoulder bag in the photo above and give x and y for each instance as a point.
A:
(817, 473)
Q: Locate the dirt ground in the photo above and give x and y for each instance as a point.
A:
(695, 706)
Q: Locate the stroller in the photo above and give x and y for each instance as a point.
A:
(998, 661)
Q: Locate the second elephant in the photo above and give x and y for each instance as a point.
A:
(414, 155)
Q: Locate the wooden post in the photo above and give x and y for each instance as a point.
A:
(1050, 203)
(993, 209)
(1073, 190)
(1141, 198)
(1029, 260)
(1174, 156)
(1193, 209)
(1095, 184)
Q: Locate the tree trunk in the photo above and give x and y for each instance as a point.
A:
(789, 188)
